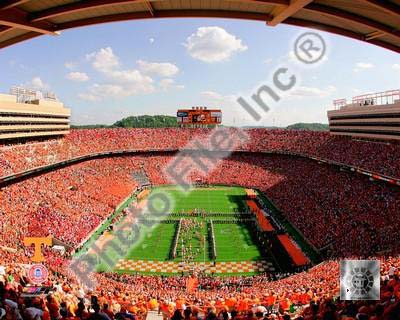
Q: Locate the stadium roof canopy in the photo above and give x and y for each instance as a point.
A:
(373, 21)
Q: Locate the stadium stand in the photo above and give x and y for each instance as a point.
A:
(307, 294)
(83, 195)
(350, 217)
(380, 158)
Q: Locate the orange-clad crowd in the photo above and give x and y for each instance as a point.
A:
(344, 214)
(381, 158)
(310, 295)
(342, 208)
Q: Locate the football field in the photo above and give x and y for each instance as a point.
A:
(202, 222)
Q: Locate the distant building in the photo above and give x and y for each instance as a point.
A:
(373, 116)
(28, 113)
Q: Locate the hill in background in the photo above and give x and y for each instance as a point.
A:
(158, 121)
(146, 122)
(162, 121)
(309, 126)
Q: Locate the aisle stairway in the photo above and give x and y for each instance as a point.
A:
(153, 315)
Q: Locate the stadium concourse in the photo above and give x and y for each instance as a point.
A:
(341, 213)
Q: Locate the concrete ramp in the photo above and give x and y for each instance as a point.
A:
(153, 315)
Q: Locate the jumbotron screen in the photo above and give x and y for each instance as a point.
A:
(199, 116)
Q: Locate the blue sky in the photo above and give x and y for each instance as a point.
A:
(110, 71)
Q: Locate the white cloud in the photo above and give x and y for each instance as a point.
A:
(213, 44)
(99, 92)
(267, 61)
(167, 84)
(38, 84)
(151, 40)
(103, 60)
(217, 99)
(232, 112)
(303, 91)
(212, 95)
(70, 65)
(120, 82)
(396, 66)
(362, 66)
(128, 76)
(77, 76)
(311, 106)
(162, 69)
(291, 57)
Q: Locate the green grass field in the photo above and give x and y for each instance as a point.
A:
(211, 199)
(233, 239)
(234, 243)
(151, 236)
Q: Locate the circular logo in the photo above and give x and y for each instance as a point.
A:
(38, 273)
(309, 47)
(359, 281)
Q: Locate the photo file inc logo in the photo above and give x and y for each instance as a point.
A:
(359, 280)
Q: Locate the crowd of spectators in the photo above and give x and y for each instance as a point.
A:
(378, 157)
(343, 213)
(340, 213)
(311, 294)
(67, 204)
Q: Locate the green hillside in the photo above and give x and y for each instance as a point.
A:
(158, 121)
(309, 126)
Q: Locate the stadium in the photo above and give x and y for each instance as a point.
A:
(196, 220)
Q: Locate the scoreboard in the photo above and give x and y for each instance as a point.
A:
(198, 117)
